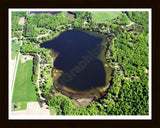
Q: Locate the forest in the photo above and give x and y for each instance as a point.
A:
(127, 53)
(16, 28)
(37, 24)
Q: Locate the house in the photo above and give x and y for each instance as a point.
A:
(135, 34)
(104, 104)
(129, 30)
(86, 22)
(15, 106)
(133, 78)
(41, 81)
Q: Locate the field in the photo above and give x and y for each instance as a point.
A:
(101, 17)
(20, 106)
(50, 82)
(23, 89)
(15, 49)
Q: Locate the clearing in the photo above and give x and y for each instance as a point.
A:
(102, 17)
(69, 15)
(23, 89)
(33, 108)
(24, 58)
(15, 49)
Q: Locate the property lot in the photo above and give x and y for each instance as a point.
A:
(23, 89)
(100, 17)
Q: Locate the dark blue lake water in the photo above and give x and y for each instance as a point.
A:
(77, 58)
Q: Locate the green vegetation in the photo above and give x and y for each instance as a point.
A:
(140, 18)
(126, 52)
(19, 13)
(79, 14)
(64, 13)
(52, 110)
(23, 88)
(28, 47)
(20, 106)
(35, 69)
(62, 104)
(16, 28)
(130, 81)
(14, 49)
(103, 17)
(122, 19)
(44, 20)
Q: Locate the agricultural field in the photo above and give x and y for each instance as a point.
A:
(23, 89)
(101, 17)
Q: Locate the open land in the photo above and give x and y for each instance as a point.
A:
(23, 89)
(100, 17)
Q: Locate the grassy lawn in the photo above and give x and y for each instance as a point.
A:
(64, 13)
(14, 49)
(50, 82)
(20, 106)
(24, 89)
(52, 110)
(101, 17)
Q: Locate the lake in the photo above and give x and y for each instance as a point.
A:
(81, 57)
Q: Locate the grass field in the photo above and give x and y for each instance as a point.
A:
(20, 106)
(101, 17)
(50, 82)
(52, 110)
(23, 89)
(64, 13)
(15, 49)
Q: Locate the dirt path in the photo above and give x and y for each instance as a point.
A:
(33, 108)
(44, 34)
(130, 24)
(21, 21)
